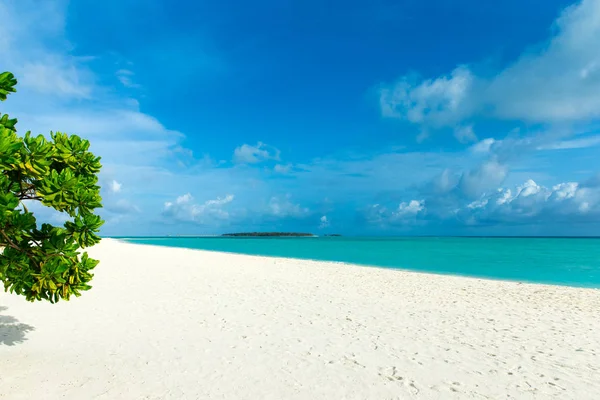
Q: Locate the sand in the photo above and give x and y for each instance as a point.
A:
(164, 323)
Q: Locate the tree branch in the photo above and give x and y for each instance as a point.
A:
(11, 244)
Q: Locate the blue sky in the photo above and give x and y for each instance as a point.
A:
(379, 118)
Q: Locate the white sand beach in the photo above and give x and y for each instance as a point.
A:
(165, 323)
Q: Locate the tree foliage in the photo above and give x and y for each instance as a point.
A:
(44, 263)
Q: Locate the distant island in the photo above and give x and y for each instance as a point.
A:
(271, 234)
(333, 235)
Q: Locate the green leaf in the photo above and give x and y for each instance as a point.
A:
(43, 263)
(7, 84)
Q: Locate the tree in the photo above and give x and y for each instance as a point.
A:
(44, 263)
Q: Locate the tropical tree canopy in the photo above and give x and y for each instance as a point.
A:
(45, 262)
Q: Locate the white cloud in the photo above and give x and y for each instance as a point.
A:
(217, 212)
(115, 186)
(465, 134)
(59, 91)
(219, 201)
(125, 76)
(34, 48)
(376, 214)
(572, 144)
(436, 101)
(120, 206)
(555, 82)
(409, 209)
(528, 203)
(531, 202)
(125, 122)
(282, 169)
(144, 156)
(324, 222)
(284, 208)
(561, 82)
(115, 207)
(488, 175)
(57, 76)
(484, 146)
(405, 214)
(540, 142)
(247, 154)
(211, 211)
(443, 182)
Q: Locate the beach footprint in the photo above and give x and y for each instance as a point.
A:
(390, 373)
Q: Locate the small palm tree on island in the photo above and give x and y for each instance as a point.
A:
(44, 263)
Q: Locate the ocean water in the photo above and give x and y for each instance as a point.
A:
(562, 261)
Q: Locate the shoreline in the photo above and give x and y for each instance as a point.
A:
(176, 323)
(354, 265)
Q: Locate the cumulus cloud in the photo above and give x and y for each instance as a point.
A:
(450, 190)
(116, 207)
(533, 203)
(211, 211)
(558, 81)
(284, 208)
(247, 154)
(488, 175)
(474, 198)
(441, 183)
(324, 222)
(377, 214)
(483, 147)
(406, 213)
(115, 186)
(468, 183)
(465, 134)
(61, 91)
(411, 208)
(438, 102)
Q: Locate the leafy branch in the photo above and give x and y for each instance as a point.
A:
(45, 263)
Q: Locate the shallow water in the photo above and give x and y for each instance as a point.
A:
(562, 261)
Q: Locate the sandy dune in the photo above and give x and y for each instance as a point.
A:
(163, 323)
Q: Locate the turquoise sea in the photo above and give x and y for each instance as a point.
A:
(562, 261)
